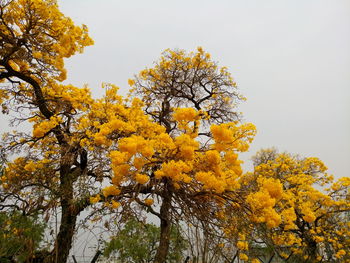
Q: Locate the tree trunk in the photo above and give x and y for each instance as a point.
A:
(69, 212)
(165, 226)
(312, 249)
(64, 239)
(65, 235)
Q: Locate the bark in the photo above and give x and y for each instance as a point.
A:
(70, 209)
(312, 249)
(65, 235)
(165, 226)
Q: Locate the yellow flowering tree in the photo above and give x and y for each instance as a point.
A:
(162, 154)
(300, 212)
(56, 165)
(182, 166)
(191, 167)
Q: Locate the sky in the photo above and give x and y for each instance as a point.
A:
(291, 59)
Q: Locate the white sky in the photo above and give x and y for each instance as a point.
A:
(291, 60)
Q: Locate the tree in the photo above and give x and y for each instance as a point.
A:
(301, 214)
(20, 237)
(176, 145)
(191, 162)
(35, 37)
(137, 242)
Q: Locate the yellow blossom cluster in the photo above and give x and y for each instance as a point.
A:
(21, 171)
(210, 181)
(41, 128)
(141, 178)
(68, 97)
(230, 136)
(176, 170)
(95, 199)
(242, 245)
(180, 159)
(263, 208)
(186, 146)
(295, 210)
(50, 44)
(114, 204)
(110, 190)
(185, 116)
(113, 116)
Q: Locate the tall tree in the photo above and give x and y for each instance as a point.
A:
(35, 37)
(181, 169)
(197, 165)
(301, 213)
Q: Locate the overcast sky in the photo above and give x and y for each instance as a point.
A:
(291, 59)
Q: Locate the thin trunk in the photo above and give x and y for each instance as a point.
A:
(165, 226)
(65, 235)
(69, 212)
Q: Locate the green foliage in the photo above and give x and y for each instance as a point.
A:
(20, 237)
(137, 242)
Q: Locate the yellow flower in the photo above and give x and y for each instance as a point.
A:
(40, 129)
(141, 178)
(131, 82)
(159, 174)
(242, 245)
(213, 157)
(185, 114)
(118, 157)
(318, 239)
(340, 253)
(148, 201)
(110, 190)
(30, 167)
(243, 257)
(115, 204)
(95, 199)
